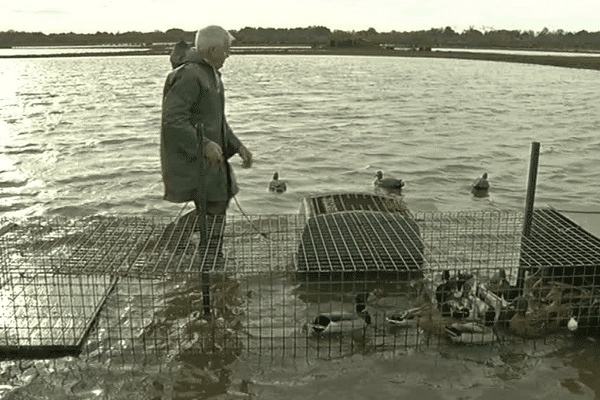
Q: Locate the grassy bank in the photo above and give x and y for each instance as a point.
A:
(578, 61)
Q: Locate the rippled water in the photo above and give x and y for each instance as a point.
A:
(80, 136)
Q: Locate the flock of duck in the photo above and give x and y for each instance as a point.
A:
(476, 307)
(463, 309)
(479, 187)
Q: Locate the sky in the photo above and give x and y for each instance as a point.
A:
(63, 16)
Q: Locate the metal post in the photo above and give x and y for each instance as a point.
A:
(201, 220)
(529, 202)
(201, 201)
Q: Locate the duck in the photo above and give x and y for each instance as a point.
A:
(558, 301)
(470, 333)
(457, 330)
(499, 286)
(408, 317)
(276, 185)
(340, 323)
(481, 183)
(497, 310)
(535, 324)
(388, 183)
(449, 294)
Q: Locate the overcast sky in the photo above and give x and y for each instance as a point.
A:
(58, 16)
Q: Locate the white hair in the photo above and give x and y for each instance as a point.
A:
(212, 36)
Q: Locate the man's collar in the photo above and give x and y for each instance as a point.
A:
(195, 57)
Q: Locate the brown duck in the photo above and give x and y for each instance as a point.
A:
(537, 323)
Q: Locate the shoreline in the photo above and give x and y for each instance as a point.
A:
(579, 62)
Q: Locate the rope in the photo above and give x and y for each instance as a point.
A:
(248, 219)
(241, 210)
(181, 211)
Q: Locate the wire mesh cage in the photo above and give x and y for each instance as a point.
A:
(324, 282)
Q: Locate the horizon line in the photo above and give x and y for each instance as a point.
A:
(471, 27)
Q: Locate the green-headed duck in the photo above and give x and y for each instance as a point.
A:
(481, 183)
(387, 183)
(340, 323)
(276, 185)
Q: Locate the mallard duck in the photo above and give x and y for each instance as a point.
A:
(276, 185)
(534, 324)
(457, 331)
(481, 183)
(387, 183)
(470, 333)
(449, 294)
(406, 318)
(497, 305)
(339, 323)
(499, 286)
(445, 290)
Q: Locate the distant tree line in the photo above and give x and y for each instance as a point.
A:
(322, 36)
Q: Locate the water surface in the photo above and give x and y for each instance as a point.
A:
(79, 136)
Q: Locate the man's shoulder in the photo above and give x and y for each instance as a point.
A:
(186, 71)
(193, 68)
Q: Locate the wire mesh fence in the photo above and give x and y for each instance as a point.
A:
(325, 282)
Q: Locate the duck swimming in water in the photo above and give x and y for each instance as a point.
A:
(276, 185)
(388, 183)
(409, 317)
(481, 183)
(470, 333)
(340, 323)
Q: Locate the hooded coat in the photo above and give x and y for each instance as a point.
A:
(193, 113)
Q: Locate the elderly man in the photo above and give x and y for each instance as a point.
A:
(194, 124)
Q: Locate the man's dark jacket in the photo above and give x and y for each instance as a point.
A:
(193, 112)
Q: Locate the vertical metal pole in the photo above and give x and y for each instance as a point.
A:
(529, 201)
(533, 166)
(201, 187)
(201, 218)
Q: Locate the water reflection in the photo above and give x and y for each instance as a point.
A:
(583, 355)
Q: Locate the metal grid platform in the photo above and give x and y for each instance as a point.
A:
(351, 245)
(49, 315)
(120, 246)
(264, 297)
(561, 250)
(339, 202)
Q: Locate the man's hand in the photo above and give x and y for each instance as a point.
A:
(246, 157)
(214, 154)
